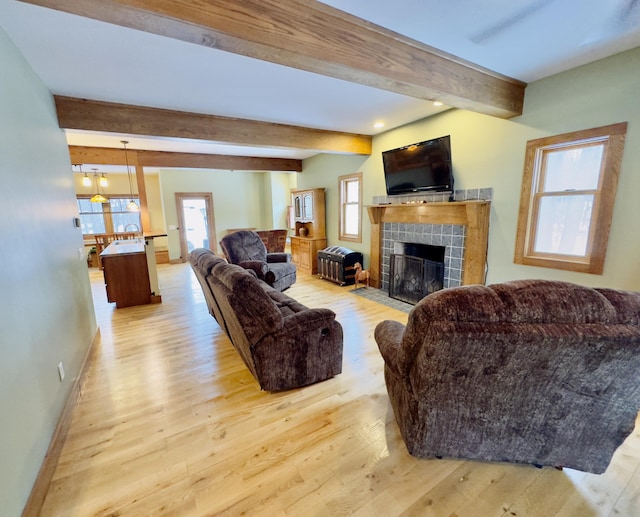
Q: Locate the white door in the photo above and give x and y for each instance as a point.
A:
(195, 222)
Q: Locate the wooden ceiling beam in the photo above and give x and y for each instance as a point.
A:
(110, 156)
(110, 117)
(312, 36)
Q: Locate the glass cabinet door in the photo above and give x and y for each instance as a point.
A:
(297, 207)
(307, 207)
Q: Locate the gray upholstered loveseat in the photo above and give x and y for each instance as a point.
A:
(284, 344)
(539, 372)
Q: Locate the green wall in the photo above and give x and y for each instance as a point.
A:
(280, 185)
(240, 199)
(47, 312)
(489, 152)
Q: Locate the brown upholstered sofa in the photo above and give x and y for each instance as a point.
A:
(284, 344)
(532, 371)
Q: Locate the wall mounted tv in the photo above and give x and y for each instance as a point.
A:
(425, 166)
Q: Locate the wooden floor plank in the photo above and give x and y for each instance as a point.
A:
(171, 422)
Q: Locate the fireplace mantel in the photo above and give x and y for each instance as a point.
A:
(472, 214)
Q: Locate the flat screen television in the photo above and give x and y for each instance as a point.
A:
(421, 167)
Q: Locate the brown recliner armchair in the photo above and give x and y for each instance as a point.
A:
(246, 249)
(529, 371)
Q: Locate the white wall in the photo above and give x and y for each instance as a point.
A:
(489, 152)
(46, 311)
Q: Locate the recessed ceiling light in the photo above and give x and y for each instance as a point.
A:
(378, 124)
(438, 103)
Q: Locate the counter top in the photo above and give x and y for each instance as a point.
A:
(124, 247)
(153, 234)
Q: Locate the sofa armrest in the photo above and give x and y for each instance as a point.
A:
(305, 350)
(257, 266)
(388, 334)
(278, 257)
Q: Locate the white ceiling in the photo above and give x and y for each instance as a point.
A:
(527, 40)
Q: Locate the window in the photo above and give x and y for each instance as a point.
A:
(111, 217)
(350, 187)
(91, 217)
(568, 190)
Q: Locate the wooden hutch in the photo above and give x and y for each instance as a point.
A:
(310, 232)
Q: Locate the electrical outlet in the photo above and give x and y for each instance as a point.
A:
(61, 371)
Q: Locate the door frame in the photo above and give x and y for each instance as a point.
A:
(211, 222)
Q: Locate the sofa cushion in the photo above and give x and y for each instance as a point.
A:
(473, 303)
(285, 304)
(546, 301)
(256, 312)
(467, 303)
(626, 304)
(206, 263)
(243, 245)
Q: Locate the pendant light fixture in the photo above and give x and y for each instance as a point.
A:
(86, 180)
(98, 197)
(132, 206)
(103, 181)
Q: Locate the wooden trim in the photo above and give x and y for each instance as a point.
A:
(218, 161)
(145, 217)
(109, 156)
(312, 36)
(211, 222)
(341, 191)
(110, 117)
(613, 137)
(472, 214)
(50, 462)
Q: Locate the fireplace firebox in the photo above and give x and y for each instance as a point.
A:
(415, 270)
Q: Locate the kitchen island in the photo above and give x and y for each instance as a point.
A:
(130, 272)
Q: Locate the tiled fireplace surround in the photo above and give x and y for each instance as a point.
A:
(452, 236)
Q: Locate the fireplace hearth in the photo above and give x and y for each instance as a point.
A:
(416, 270)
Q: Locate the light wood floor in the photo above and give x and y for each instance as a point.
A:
(170, 422)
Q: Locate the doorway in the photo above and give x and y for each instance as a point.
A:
(196, 223)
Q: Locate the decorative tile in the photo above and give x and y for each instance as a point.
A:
(451, 236)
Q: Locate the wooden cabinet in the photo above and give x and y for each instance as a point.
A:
(310, 231)
(304, 253)
(309, 213)
(126, 274)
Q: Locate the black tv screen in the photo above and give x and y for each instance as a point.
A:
(425, 166)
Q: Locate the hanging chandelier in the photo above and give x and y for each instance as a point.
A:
(132, 206)
(98, 197)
